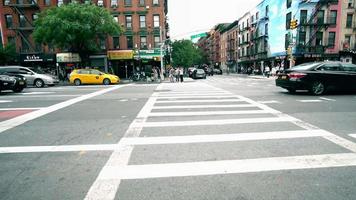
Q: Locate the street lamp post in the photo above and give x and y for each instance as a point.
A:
(161, 51)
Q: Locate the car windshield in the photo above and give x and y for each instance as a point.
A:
(305, 66)
(38, 70)
(200, 71)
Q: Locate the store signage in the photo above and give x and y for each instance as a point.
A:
(120, 55)
(32, 58)
(148, 54)
(68, 57)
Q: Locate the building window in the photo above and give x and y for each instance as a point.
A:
(8, 21)
(349, 20)
(142, 2)
(302, 37)
(267, 10)
(114, 3)
(142, 21)
(34, 17)
(129, 41)
(128, 2)
(157, 41)
(156, 23)
(155, 2)
(347, 42)
(87, 1)
(59, 3)
(350, 4)
(100, 3)
(289, 3)
(320, 17)
(128, 19)
(116, 42)
(116, 18)
(22, 20)
(303, 16)
(11, 40)
(288, 20)
(286, 41)
(143, 42)
(257, 16)
(331, 39)
(333, 16)
(319, 38)
(102, 43)
(266, 29)
(24, 45)
(47, 2)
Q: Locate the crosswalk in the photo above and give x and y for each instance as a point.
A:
(199, 105)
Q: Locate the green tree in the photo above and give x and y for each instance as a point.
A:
(185, 53)
(7, 54)
(74, 27)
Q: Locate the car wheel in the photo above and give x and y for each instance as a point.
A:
(39, 83)
(18, 90)
(106, 82)
(77, 82)
(317, 88)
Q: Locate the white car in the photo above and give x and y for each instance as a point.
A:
(32, 77)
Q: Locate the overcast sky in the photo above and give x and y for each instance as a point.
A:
(187, 17)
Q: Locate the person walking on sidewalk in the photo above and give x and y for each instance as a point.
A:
(267, 71)
(181, 73)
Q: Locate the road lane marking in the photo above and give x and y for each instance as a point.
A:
(217, 122)
(352, 135)
(224, 137)
(228, 166)
(35, 108)
(6, 101)
(200, 101)
(327, 99)
(45, 96)
(36, 93)
(310, 101)
(195, 97)
(205, 106)
(64, 148)
(206, 113)
(269, 102)
(106, 189)
(11, 123)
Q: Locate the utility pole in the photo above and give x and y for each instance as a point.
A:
(161, 51)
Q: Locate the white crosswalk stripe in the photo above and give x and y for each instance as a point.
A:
(180, 102)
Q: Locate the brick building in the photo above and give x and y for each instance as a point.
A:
(144, 23)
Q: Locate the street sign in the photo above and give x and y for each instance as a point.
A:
(198, 36)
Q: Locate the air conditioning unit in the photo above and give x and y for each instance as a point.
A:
(100, 3)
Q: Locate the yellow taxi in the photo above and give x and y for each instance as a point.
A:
(92, 76)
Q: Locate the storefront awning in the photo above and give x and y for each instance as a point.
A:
(153, 54)
(120, 55)
(68, 58)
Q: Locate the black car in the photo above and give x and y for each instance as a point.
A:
(319, 77)
(14, 83)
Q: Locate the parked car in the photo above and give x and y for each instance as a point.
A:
(92, 76)
(190, 71)
(209, 71)
(319, 77)
(217, 71)
(199, 73)
(14, 83)
(32, 77)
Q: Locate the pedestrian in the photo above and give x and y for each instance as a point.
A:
(177, 74)
(171, 75)
(181, 73)
(155, 74)
(267, 71)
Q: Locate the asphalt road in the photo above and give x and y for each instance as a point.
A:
(226, 137)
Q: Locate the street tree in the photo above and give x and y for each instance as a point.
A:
(7, 54)
(75, 27)
(185, 53)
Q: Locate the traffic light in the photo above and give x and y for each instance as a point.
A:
(293, 24)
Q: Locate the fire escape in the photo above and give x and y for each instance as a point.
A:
(24, 27)
(316, 24)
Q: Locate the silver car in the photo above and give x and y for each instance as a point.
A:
(32, 77)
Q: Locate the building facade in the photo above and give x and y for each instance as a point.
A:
(232, 46)
(144, 23)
